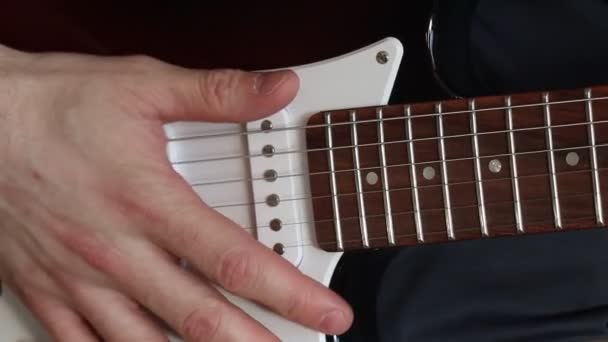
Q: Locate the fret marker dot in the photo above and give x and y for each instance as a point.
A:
(371, 178)
(495, 166)
(428, 173)
(572, 158)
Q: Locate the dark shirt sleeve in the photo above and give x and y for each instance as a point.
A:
(543, 288)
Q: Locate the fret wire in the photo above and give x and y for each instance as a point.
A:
(597, 198)
(256, 155)
(302, 174)
(358, 181)
(314, 243)
(385, 187)
(351, 218)
(478, 175)
(395, 189)
(514, 172)
(553, 177)
(293, 128)
(333, 185)
(413, 176)
(470, 229)
(421, 163)
(444, 175)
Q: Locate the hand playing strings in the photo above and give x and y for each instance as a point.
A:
(93, 218)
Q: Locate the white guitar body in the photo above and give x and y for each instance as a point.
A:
(207, 155)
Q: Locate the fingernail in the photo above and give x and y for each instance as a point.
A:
(266, 83)
(333, 322)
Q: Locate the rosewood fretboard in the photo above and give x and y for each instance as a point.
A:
(461, 169)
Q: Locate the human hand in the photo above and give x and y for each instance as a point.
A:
(93, 217)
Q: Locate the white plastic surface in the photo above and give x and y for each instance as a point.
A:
(352, 80)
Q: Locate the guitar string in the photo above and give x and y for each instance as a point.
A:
(460, 230)
(429, 210)
(445, 137)
(218, 206)
(252, 179)
(374, 144)
(421, 115)
(423, 187)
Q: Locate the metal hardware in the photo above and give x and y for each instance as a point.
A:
(276, 224)
(279, 248)
(268, 150)
(557, 213)
(358, 181)
(382, 57)
(597, 198)
(514, 172)
(413, 178)
(273, 200)
(333, 182)
(478, 175)
(447, 203)
(266, 125)
(388, 211)
(271, 175)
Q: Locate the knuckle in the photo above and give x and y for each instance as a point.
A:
(202, 325)
(237, 271)
(135, 205)
(93, 250)
(296, 304)
(216, 88)
(188, 239)
(140, 61)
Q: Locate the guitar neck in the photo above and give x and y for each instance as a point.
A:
(403, 175)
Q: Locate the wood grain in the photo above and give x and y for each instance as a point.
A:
(574, 182)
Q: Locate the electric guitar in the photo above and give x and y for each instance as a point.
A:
(340, 170)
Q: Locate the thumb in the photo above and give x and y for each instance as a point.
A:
(228, 95)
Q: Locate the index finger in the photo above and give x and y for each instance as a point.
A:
(229, 256)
